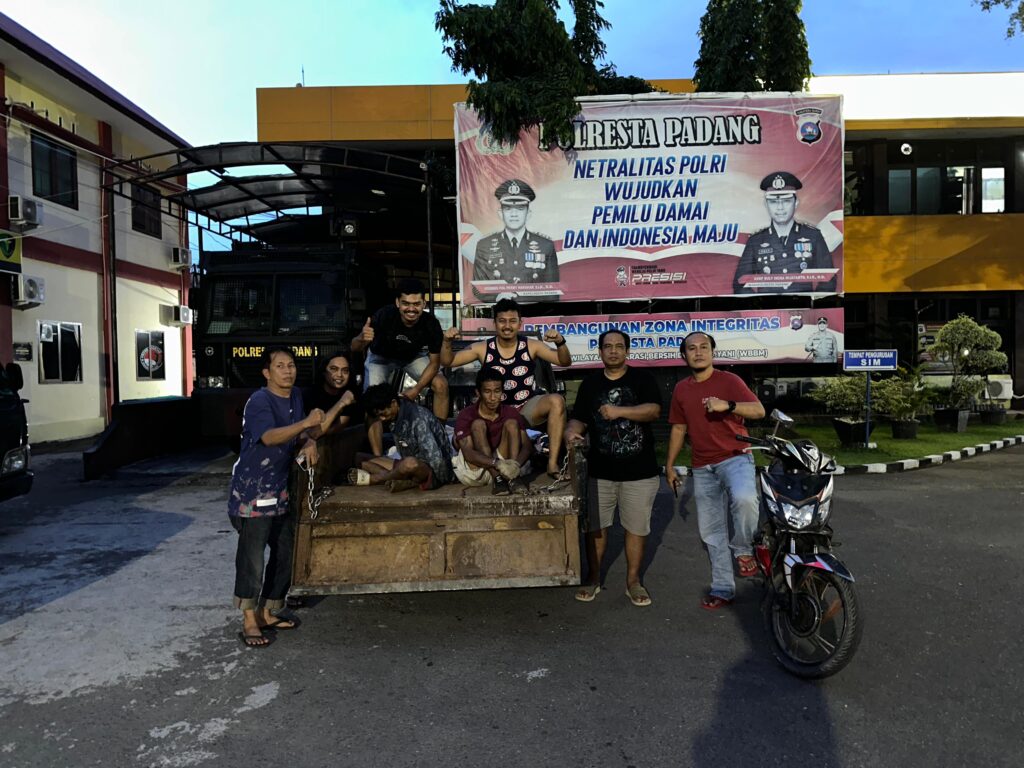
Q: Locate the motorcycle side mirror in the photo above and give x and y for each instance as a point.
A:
(780, 417)
(14, 376)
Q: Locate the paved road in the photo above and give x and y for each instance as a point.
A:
(118, 646)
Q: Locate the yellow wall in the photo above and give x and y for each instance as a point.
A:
(934, 253)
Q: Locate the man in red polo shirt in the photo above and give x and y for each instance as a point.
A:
(711, 407)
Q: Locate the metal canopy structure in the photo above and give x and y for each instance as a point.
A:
(343, 180)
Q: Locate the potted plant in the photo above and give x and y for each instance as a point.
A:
(970, 350)
(900, 397)
(845, 397)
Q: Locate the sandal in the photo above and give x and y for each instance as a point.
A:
(747, 565)
(254, 641)
(358, 477)
(638, 596)
(587, 592)
(714, 602)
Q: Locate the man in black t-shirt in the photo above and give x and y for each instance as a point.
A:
(616, 407)
(334, 385)
(401, 337)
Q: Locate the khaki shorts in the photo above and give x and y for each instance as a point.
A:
(472, 475)
(634, 498)
(529, 410)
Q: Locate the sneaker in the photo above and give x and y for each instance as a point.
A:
(501, 487)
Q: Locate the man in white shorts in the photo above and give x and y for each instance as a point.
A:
(492, 440)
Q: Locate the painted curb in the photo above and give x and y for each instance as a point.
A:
(908, 465)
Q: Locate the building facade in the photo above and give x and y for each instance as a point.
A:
(89, 295)
(934, 221)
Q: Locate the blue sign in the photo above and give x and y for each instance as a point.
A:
(869, 360)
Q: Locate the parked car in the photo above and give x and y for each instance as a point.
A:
(15, 474)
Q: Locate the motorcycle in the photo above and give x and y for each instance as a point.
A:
(810, 607)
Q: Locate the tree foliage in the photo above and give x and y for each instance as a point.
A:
(972, 350)
(1016, 8)
(752, 45)
(526, 68)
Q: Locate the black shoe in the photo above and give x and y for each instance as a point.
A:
(501, 486)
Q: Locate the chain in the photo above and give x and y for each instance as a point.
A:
(563, 476)
(313, 498)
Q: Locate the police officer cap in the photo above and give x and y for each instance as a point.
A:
(780, 183)
(515, 191)
(822, 320)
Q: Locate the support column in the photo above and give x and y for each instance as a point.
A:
(6, 312)
(111, 386)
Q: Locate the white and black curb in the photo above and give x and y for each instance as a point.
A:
(906, 465)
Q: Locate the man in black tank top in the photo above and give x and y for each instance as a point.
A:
(514, 356)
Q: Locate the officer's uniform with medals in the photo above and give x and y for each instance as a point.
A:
(531, 259)
(766, 253)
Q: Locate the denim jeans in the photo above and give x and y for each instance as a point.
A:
(380, 370)
(726, 492)
(254, 585)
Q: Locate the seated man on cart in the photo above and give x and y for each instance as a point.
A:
(492, 440)
(423, 445)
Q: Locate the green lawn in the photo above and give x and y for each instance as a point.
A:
(929, 441)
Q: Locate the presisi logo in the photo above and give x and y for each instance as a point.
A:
(658, 278)
(487, 145)
(255, 352)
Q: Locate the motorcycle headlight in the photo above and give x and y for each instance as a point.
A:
(798, 517)
(824, 505)
(15, 460)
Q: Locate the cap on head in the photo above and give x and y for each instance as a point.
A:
(515, 191)
(822, 320)
(780, 184)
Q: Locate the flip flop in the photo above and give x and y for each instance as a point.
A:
(587, 592)
(714, 602)
(638, 596)
(747, 565)
(249, 640)
(358, 477)
(281, 624)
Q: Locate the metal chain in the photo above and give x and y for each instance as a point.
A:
(563, 476)
(313, 498)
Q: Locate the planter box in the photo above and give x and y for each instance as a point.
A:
(852, 433)
(994, 417)
(951, 419)
(905, 430)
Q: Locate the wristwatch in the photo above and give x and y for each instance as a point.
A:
(732, 406)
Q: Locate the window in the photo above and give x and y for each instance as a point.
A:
(899, 191)
(54, 172)
(242, 304)
(146, 211)
(993, 195)
(311, 303)
(60, 352)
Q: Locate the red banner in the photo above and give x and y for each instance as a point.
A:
(672, 197)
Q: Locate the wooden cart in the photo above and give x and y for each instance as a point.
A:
(365, 539)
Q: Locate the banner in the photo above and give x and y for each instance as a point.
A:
(673, 197)
(10, 253)
(748, 336)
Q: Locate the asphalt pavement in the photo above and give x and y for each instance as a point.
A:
(118, 644)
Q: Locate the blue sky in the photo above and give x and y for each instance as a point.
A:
(195, 64)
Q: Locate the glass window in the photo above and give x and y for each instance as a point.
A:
(956, 190)
(243, 304)
(60, 352)
(993, 196)
(146, 211)
(899, 191)
(929, 189)
(54, 172)
(310, 303)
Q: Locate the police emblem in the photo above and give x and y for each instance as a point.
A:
(513, 188)
(808, 125)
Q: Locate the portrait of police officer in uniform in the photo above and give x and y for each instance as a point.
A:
(785, 247)
(515, 255)
(822, 346)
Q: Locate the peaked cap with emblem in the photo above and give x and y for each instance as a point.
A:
(779, 183)
(515, 191)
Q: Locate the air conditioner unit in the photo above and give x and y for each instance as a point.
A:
(28, 291)
(24, 213)
(175, 315)
(181, 258)
(999, 387)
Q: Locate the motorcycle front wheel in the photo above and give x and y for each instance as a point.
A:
(816, 628)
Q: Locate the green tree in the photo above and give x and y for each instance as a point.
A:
(972, 350)
(1016, 8)
(752, 45)
(526, 68)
